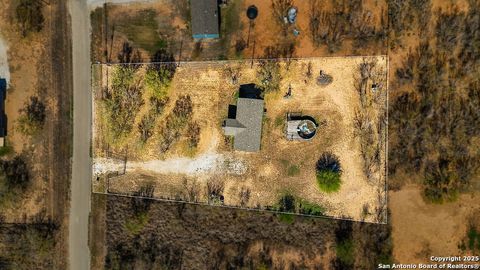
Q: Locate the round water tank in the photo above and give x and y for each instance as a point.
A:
(307, 129)
(252, 12)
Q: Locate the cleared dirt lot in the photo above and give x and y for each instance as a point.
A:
(267, 174)
(421, 229)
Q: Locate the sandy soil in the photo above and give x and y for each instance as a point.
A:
(263, 173)
(23, 57)
(421, 230)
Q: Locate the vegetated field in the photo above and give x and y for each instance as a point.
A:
(35, 164)
(326, 28)
(161, 137)
(145, 234)
(434, 156)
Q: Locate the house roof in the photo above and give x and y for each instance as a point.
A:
(247, 127)
(232, 127)
(205, 18)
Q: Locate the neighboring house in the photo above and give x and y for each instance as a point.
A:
(205, 19)
(246, 126)
(300, 127)
(3, 117)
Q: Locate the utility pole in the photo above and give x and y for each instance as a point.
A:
(253, 53)
(252, 13)
(180, 53)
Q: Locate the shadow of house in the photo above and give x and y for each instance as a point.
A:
(245, 123)
(249, 91)
(205, 19)
(3, 117)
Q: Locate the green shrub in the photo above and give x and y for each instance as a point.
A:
(308, 208)
(286, 218)
(328, 173)
(287, 203)
(5, 150)
(345, 252)
(157, 83)
(328, 181)
(122, 101)
(473, 237)
(137, 223)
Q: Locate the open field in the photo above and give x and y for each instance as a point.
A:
(449, 223)
(176, 170)
(164, 25)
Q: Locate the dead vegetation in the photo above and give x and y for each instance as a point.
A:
(370, 116)
(27, 246)
(33, 116)
(347, 21)
(29, 15)
(255, 240)
(435, 122)
(269, 75)
(176, 122)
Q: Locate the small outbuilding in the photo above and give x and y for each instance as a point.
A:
(246, 126)
(205, 19)
(300, 127)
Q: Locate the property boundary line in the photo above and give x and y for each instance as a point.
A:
(216, 62)
(127, 195)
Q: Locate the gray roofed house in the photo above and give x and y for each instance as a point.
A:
(205, 19)
(247, 126)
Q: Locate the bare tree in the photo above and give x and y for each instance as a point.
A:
(215, 188)
(244, 196)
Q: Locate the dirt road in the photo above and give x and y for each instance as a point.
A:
(79, 254)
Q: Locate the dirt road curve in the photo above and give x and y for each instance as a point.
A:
(79, 254)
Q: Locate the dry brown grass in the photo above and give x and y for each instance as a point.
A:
(266, 173)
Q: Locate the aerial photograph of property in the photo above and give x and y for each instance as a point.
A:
(277, 135)
(239, 134)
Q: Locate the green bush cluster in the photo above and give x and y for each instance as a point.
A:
(289, 203)
(328, 173)
(122, 101)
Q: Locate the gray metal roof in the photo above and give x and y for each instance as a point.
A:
(204, 15)
(292, 130)
(250, 116)
(232, 127)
